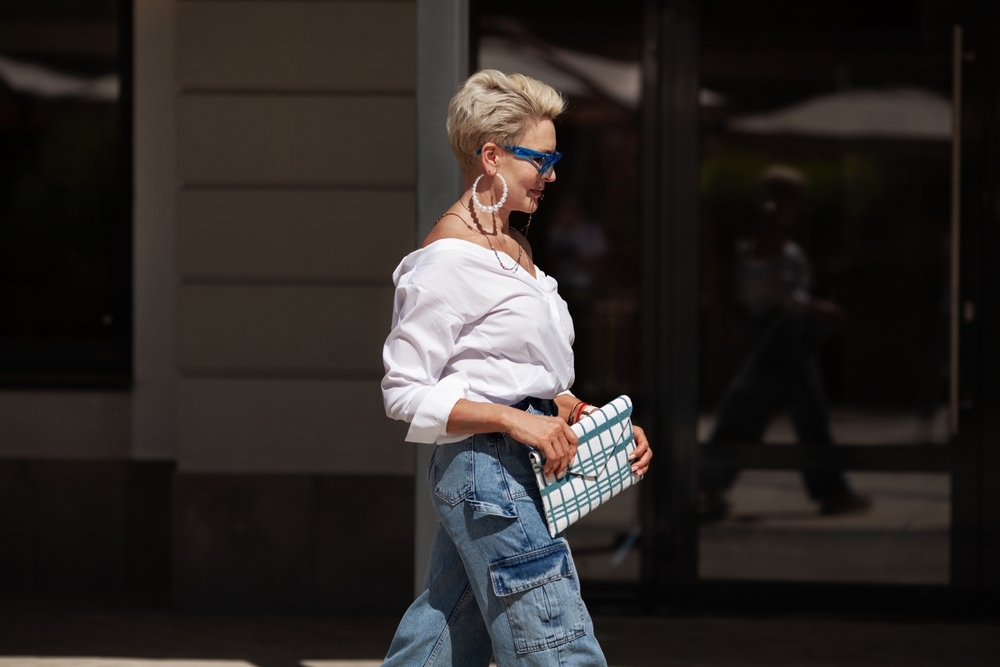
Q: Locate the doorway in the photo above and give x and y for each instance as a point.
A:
(824, 286)
(758, 227)
(810, 354)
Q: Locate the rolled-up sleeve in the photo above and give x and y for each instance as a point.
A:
(425, 329)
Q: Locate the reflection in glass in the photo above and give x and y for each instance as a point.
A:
(866, 128)
(586, 231)
(63, 208)
(773, 283)
(823, 290)
(772, 533)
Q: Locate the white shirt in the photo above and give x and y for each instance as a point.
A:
(463, 327)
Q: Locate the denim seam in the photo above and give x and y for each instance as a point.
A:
(524, 533)
(530, 491)
(520, 522)
(462, 601)
(470, 468)
(533, 647)
(530, 555)
(469, 488)
(501, 473)
(526, 493)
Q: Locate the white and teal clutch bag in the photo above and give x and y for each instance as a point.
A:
(600, 471)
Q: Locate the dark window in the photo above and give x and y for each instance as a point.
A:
(65, 192)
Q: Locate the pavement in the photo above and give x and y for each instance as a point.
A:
(59, 631)
(773, 533)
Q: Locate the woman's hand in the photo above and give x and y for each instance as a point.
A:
(550, 435)
(641, 456)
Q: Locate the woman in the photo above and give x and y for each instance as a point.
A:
(479, 362)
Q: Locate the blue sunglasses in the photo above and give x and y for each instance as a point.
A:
(543, 161)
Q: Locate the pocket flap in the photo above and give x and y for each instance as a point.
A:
(490, 509)
(522, 573)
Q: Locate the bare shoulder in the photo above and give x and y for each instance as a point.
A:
(450, 226)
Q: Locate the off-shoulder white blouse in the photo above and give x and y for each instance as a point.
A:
(463, 327)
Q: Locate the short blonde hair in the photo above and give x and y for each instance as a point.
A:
(492, 106)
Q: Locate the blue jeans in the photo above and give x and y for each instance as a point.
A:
(497, 585)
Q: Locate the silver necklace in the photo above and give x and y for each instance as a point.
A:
(479, 230)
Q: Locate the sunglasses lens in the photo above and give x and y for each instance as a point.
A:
(542, 161)
(548, 163)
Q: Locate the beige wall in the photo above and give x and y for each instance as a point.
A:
(295, 169)
(274, 194)
(153, 416)
(47, 424)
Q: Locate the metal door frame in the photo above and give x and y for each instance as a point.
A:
(442, 64)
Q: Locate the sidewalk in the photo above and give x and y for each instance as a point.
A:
(50, 632)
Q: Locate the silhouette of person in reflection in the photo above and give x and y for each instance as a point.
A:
(578, 245)
(782, 370)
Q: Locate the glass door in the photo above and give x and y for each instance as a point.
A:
(754, 228)
(586, 233)
(824, 370)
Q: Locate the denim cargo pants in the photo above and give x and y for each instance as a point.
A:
(497, 585)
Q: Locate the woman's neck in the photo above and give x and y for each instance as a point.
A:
(488, 221)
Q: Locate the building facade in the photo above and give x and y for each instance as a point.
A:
(286, 154)
(249, 464)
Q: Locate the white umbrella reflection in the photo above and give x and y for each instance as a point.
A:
(571, 72)
(40, 81)
(897, 113)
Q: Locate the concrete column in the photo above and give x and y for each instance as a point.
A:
(154, 276)
(295, 144)
(442, 64)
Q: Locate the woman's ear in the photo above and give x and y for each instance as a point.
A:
(488, 158)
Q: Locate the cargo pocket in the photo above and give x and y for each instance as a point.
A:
(541, 597)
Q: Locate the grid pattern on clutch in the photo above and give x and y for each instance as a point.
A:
(600, 471)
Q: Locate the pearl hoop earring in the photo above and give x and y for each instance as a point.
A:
(495, 207)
